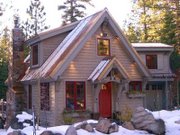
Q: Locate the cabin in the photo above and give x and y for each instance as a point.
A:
(90, 66)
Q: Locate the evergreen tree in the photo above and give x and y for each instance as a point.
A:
(148, 18)
(36, 23)
(4, 55)
(73, 10)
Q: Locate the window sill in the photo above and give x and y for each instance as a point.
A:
(136, 95)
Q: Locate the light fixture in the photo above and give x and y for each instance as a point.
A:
(103, 34)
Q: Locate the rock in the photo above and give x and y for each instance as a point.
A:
(103, 125)
(15, 124)
(57, 134)
(47, 133)
(144, 120)
(113, 128)
(93, 124)
(86, 126)
(71, 131)
(177, 122)
(157, 128)
(128, 125)
(16, 133)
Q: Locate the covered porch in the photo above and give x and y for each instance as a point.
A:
(112, 87)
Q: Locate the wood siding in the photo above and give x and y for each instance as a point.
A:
(87, 60)
(162, 61)
(45, 116)
(50, 44)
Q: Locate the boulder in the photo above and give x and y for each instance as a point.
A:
(103, 126)
(86, 126)
(15, 124)
(47, 133)
(113, 128)
(157, 128)
(71, 131)
(128, 125)
(16, 133)
(144, 120)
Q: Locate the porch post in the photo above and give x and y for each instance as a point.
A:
(96, 89)
(166, 93)
(144, 83)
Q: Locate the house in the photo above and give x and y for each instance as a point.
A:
(90, 65)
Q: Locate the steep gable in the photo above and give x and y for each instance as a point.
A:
(60, 59)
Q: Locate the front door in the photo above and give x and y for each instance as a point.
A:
(105, 100)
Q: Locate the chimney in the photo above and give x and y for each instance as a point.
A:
(15, 92)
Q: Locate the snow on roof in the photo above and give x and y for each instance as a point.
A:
(151, 45)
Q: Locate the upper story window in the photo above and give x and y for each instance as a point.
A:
(103, 47)
(151, 61)
(35, 51)
(75, 95)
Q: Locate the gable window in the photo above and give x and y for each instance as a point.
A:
(75, 95)
(103, 47)
(44, 90)
(29, 96)
(151, 61)
(35, 51)
(135, 86)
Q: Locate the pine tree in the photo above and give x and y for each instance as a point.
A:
(4, 55)
(36, 23)
(148, 18)
(73, 10)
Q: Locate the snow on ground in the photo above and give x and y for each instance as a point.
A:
(169, 118)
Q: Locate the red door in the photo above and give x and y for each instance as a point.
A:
(105, 101)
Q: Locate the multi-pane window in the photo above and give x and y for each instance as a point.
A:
(35, 55)
(135, 86)
(75, 95)
(44, 90)
(29, 96)
(151, 61)
(103, 47)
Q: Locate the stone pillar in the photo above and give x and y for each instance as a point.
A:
(16, 71)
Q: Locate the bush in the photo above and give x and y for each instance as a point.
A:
(125, 115)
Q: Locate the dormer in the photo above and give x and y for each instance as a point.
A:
(155, 56)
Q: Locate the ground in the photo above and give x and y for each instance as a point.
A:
(171, 119)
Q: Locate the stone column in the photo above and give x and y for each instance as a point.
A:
(16, 71)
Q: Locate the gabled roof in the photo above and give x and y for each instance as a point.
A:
(68, 49)
(152, 47)
(105, 66)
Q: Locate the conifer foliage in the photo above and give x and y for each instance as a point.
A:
(36, 23)
(73, 10)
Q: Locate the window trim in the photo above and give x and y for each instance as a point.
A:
(148, 64)
(101, 38)
(75, 94)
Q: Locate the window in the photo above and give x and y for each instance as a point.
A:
(103, 47)
(35, 55)
(151, 61)
(44, 96)
(75, 95)
(29, 96)
(135, 86)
